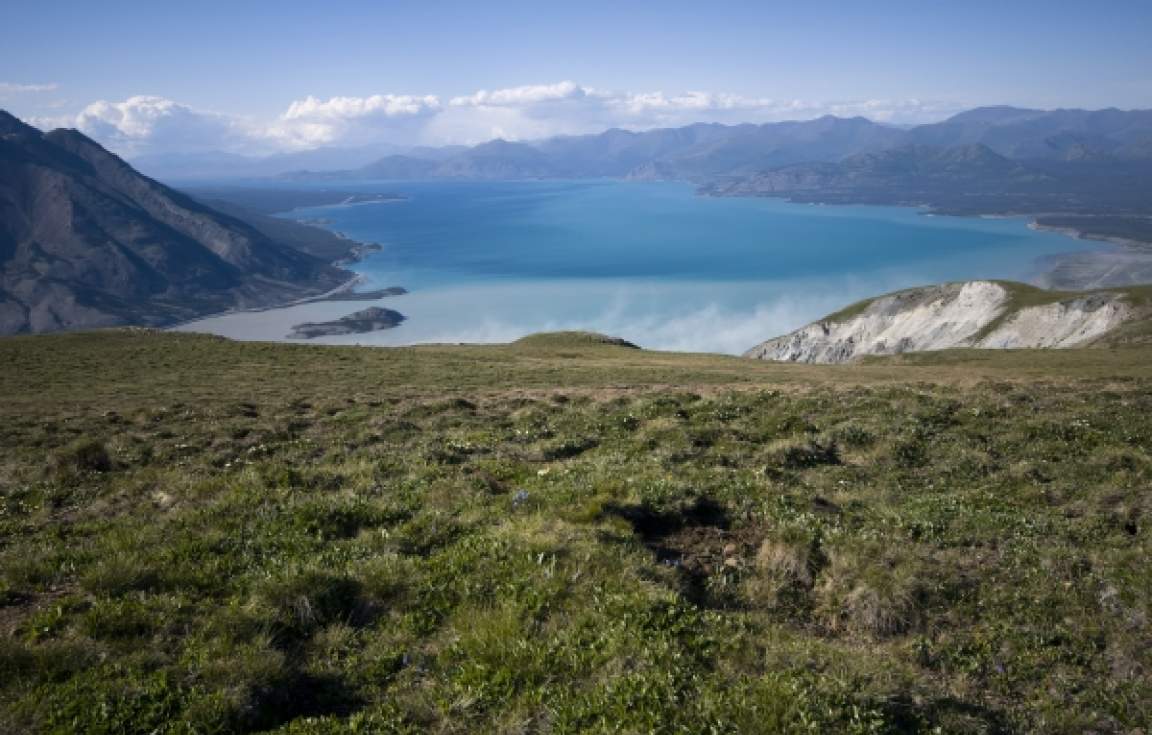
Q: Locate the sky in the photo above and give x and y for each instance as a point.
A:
(259, 78)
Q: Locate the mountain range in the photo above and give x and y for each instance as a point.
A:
(703, 151)
(86, 241)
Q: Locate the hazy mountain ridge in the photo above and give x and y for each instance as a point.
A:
(693, 152)
(698, 152)
(1045, 134)
(86, 241)
(909, 174)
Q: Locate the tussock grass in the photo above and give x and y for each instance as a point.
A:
(85, 455)
(509, 539)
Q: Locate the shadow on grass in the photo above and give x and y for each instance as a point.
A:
(690, 540)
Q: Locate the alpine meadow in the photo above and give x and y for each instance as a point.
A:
(577, 368)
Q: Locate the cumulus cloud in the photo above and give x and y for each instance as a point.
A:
(520, 113)
(657, 108)
(147, 124)
(519, 96)
(313, 122)
(567, 108)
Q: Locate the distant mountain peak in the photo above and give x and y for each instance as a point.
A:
(993, 113)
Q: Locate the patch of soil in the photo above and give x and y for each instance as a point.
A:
(20, 606)
(699, 542)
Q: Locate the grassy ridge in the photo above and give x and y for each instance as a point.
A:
(203, 536)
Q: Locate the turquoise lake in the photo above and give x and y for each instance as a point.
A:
(651, 262)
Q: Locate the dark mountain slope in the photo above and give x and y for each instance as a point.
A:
(315, 241)
(86, 241)
(964, 179)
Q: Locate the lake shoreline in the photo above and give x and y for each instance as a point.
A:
(628, 261)
(1087, 264)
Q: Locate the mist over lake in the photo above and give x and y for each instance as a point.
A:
(651, 262)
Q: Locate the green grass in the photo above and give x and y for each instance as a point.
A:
(571, 339)
(564, 536)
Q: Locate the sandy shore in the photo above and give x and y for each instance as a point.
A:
(343, 288)
(1117, 262)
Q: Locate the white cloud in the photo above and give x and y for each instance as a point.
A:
(519, 96)
(567, 108)
(13, 88)
(150, 124)
(313, 122)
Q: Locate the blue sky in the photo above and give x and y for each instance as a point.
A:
(229, 75)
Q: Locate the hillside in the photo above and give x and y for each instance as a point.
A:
(315, 241)
(964, 180)
(569, 536)
(974, 314)
(87, 241)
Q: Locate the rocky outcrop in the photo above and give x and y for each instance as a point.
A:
(1071, 322)
(980, 314)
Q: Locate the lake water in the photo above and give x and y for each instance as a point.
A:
(650, 262)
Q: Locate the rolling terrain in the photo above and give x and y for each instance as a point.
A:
(568, 534)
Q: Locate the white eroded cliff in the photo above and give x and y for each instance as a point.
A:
(982, 314)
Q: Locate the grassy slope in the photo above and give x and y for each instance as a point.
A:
(199, 535)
